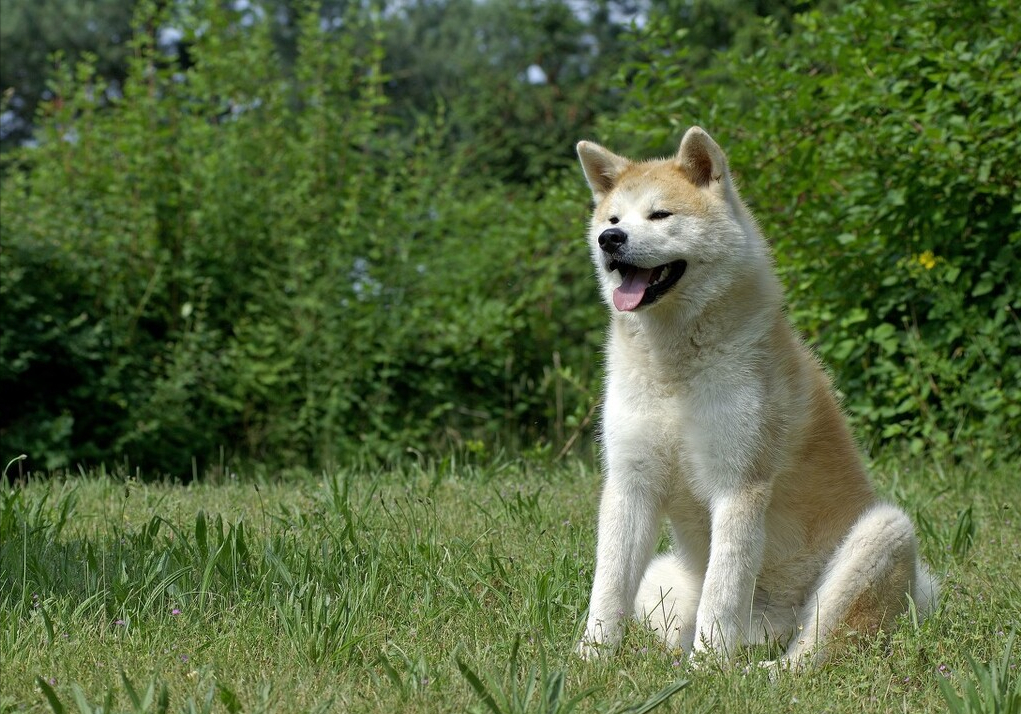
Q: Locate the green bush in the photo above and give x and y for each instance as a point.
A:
(242, 256)
(255, 261)
(878, 146)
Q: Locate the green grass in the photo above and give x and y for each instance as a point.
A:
(448, 587)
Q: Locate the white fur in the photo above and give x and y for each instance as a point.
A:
(718, 419)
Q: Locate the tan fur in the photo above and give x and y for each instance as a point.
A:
(718, 418)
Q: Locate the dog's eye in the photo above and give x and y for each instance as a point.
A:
(614, 220)
(659, 215)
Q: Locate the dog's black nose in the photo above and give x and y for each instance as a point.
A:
(612, 239)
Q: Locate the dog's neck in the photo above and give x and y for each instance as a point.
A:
(680, 341)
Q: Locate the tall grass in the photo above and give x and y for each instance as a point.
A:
(436, 587)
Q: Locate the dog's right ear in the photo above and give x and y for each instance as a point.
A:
(700, 158)
(602, 167)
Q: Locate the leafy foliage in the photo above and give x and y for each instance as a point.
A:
(879, 148)
(520, 80)
(31, 32)
(252, 260)
(314, 258)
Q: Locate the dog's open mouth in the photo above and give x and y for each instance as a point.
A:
(643, 286)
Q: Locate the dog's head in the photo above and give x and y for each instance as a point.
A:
(670, 232)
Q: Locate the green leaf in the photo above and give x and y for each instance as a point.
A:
(984, 286)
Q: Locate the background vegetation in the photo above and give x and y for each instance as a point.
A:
(295, 233)
(277, 244)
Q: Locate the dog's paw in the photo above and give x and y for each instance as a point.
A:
(776, 667)
(590, 650)
(599, 640)
(772, 667)
(707, 660)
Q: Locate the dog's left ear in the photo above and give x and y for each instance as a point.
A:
(700, 158)
(602, 167)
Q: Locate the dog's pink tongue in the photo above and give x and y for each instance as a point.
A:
(630, 293)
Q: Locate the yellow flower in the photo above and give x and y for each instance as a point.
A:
(927, 260)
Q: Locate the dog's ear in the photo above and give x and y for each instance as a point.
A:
(602, 167)
(700, 158)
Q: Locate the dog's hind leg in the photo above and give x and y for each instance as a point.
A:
(667, 601)
(864, 586)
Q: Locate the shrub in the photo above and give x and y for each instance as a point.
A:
(878, 146)
(255, 261)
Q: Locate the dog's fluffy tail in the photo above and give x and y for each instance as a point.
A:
(667, 601)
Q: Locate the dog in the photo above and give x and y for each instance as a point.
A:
(719, 419)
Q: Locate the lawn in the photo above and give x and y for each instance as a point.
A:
(452, 586)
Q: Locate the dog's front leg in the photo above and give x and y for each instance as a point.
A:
(735, 558)
(628, 520)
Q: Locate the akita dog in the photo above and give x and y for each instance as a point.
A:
(718, 418)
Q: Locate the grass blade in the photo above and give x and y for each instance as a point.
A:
(229, 699)
(132, 694)
(51, 696)
(78, 694)
(656, 699)
(478, 686)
